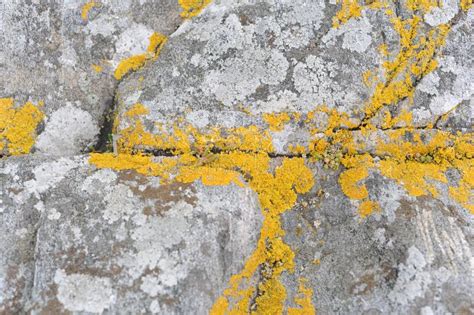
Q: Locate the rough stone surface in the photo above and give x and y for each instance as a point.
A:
(415, 254)
(48, 52)
(239, 57)
(84, 240)
(239, 60)
(450, 88)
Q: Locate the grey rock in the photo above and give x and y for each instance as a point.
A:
(76, 239)
(84, 240)
(239, 60)
(448, 91)
(414, 254)
(48, 52)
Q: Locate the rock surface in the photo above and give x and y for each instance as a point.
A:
(84, 240)
(62, 55)
(239, 61)
(413, 256)
(276, 157)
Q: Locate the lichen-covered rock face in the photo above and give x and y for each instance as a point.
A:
(265, 157)
(411, 257)
(240, 61)
(259, 57)
(448, 90)
(63, 54)
(84, 240)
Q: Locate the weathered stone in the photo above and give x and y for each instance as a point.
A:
(84, 240)
(51, 53)
(386, 227)
(448, 91)
(414, 254)
(238, 61)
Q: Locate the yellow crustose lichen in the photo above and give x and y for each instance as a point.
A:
(243, 160)
(277, 191)
(86, 9)
(241, 156)
(303, 300)
(276, 121)
(18, 126)
(133, 63)
(192, 8)
(349, 9)
(466, 4)
(403, 162)
(97, 68)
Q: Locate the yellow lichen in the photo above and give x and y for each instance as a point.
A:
(416, 164)
(97, 68)
(142, 164)
(466, 4)
(185, 138)
(210, 176)
(405, 118)
(303, 300)
(129, 64)
(241, 156)
(413, 176)
(414, 59)
(357, 170)
(192, 8)
(349, 9)
(276, 121)
(18, 126)
(245, 161)
(276, 194)
(368, 207)
(157, 41)
(383, 50)
(424, 6)
(86, 8)
(137, 110)
(136, 62)
(366, 77)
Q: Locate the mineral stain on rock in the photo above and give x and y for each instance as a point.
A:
(273, 158)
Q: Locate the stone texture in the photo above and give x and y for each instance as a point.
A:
(48, 52)
(450, 88)
(239, 60)
(84, 240)
(414, 255)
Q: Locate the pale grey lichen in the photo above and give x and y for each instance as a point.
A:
(67, 129)
(84, 293)
(412, 280)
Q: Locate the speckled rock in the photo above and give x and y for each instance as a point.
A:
(53, 53)
(84, 240)
(413, 256)
(240, 60)
(449, 89)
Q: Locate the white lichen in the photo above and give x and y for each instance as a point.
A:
(84, 293)
(67, 129)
